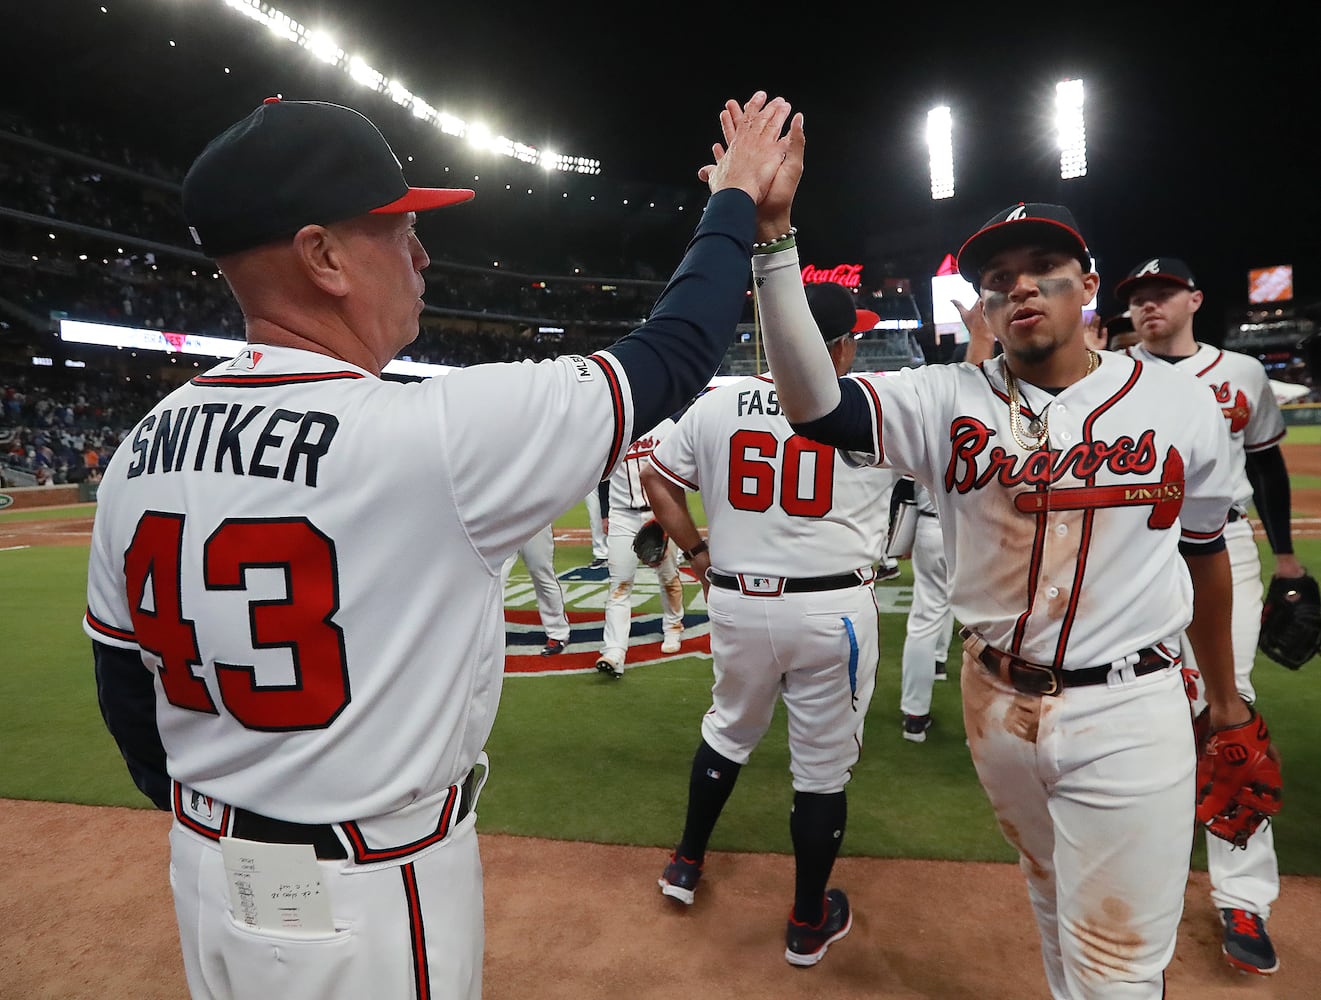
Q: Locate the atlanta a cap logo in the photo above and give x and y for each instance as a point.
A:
(1150, 267)
(1019, 213)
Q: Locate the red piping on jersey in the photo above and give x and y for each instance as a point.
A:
(671, 474)
(1033, 570)
(1219, 355)
(1084, 544)
(876, 408)
(365, 855)
(1022, 403)
(109, 630)
(1266, 444)
(261, 381)
(616, 401)
(416, 933)
(764, 378)
(1204, 536)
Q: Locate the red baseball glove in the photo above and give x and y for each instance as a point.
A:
(1238, 778)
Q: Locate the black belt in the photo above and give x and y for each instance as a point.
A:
(254, 826)
(1038, 678)
(927, 513)
(799, 585)
(1234, 515)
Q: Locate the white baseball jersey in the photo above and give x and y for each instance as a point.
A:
(781, 508)
(626, 492)
(1047, 539)
(629, 510)
(1243, 390)
(1247, 878)
(325, 623)
(776, 503)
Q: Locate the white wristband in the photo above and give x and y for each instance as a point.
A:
(805, 379)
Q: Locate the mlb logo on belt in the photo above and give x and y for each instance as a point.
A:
(761, 586)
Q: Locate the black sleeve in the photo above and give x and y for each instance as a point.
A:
(672, 356)
(126, 693)
(848, 426)
(1270, 495)
(1202, 548)
(603, 494)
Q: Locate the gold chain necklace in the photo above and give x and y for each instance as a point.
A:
(1039, 428)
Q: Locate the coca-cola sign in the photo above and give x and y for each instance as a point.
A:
(848, 275)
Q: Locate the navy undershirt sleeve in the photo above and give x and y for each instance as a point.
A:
(1270, 495)
(126, 693)
(848, 426)
(671, 357)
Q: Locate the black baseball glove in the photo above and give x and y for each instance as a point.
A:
(1291, 620)
(649, 543)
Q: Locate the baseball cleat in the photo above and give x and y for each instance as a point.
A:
(553, 647)
(610, 668)
(806, 944)
(598, 564)
(680, 878)
(884, 573)
(915, 727)
(1247, 946)
(672, 643)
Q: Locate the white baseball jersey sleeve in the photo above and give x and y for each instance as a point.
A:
(1062, 533)
(1243, 391)
(781, 505)
(266, 589)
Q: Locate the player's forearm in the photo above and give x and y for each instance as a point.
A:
(672, 356)
(1211, 637)
(1271, 496)
(805, 379)
(126, 694)
(669, 505)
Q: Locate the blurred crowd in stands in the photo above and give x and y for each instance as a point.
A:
(92, 230)
(51, 435)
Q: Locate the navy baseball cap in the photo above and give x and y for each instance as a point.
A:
(1167, 269)
(1023, 224)
(291, 164)
(836, 315)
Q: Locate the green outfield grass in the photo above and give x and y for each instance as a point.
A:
(583, 758)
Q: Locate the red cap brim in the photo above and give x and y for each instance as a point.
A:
(425, 199)
(867, 320)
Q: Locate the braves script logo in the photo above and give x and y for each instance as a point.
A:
(642, 447)
(974, 464)
(1239, 413)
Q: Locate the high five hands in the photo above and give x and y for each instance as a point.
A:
(759, 157)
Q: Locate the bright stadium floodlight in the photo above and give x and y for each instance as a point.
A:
(1071, 129)
(940, 145)
(324, 48)
(365, 75)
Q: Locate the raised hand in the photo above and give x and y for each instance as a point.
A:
(755, 152)
(981, 341)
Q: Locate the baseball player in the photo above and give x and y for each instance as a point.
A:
(793, 534)
(930, 617)
(301, 659)
(538, 554)
(630, 508)
(1085, 496)
(1162, 297)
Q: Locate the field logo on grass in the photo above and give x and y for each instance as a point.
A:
(585, 592)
